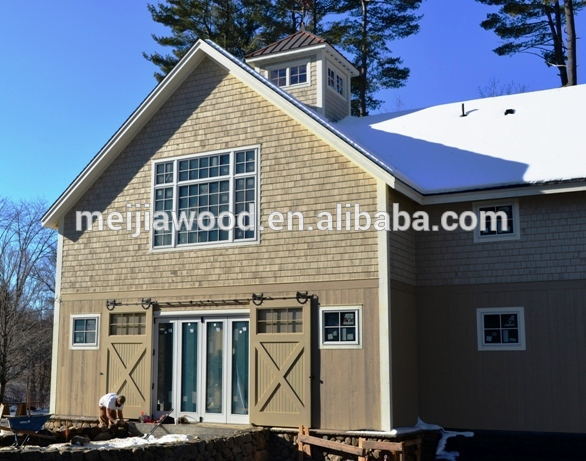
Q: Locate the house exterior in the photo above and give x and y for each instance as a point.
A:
(342, 330)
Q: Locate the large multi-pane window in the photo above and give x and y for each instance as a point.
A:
(211, 186)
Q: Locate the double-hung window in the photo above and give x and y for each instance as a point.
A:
(340, 85)
(206, 199)
(336, 82)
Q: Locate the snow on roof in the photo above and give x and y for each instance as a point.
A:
(437, 150)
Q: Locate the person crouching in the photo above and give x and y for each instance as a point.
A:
(111, 405)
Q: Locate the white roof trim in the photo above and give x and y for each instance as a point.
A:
(281, 99)
(168, 85)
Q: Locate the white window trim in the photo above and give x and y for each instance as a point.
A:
(175, 185)
(340, 74)
(287, 66)
(482, 346)
(94, 346)
(341, 344)
(516, 235)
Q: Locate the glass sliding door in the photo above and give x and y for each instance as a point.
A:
(215, 368)
(165, 367)
(239, 370)
(202, 369)
(189, 367)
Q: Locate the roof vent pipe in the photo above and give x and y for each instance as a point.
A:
(463, 111)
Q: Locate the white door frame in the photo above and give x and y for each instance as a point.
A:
(177, 321)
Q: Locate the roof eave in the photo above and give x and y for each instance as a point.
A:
(167, 86)
(123, 135)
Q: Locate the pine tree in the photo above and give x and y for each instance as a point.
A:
(544, 28)
(233, 24)
(365, 32)
(290, 16)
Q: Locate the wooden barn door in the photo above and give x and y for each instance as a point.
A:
(280, 362)
(126, 368)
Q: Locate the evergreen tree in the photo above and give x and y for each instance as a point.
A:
(290, 16)
(233, 24)
(365, 31)
(544, 28)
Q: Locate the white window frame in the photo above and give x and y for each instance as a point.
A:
(287, 66)
(482, 346)
(337, 74)
(91, 346)
(175, 185)
(515, 235)
(341, 344)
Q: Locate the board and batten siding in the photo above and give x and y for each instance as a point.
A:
(539, 389)
(213, 110)
(345, 396)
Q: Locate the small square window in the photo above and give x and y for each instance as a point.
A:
(497, 221)
(279, 77)
(501, 328)
(297, 74)
(340, 327)
(85, 331)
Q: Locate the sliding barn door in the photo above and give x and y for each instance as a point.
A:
(126, 369)
(280, 365)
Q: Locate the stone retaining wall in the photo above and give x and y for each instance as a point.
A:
(250, 446)
(255, 445)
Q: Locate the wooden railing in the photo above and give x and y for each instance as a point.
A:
(397, 450)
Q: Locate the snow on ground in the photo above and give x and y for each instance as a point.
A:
(441, 452)
(437, 150)
(128, 442)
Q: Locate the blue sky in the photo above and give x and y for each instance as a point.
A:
(73, 72)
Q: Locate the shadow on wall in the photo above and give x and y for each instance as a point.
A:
(136, 156)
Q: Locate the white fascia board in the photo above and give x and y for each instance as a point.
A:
(123, 136)
(341, 60)
(303, 115)
(502, 193)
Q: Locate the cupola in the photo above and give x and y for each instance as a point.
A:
(310, 69)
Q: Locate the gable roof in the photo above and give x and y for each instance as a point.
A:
(166, 88)
(294, 41)
(351, 137)
(440, 151)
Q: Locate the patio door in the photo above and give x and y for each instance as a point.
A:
(201, 368)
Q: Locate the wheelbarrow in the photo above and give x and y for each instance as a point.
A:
(26, 425)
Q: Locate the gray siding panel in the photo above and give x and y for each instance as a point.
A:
(552, 246)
